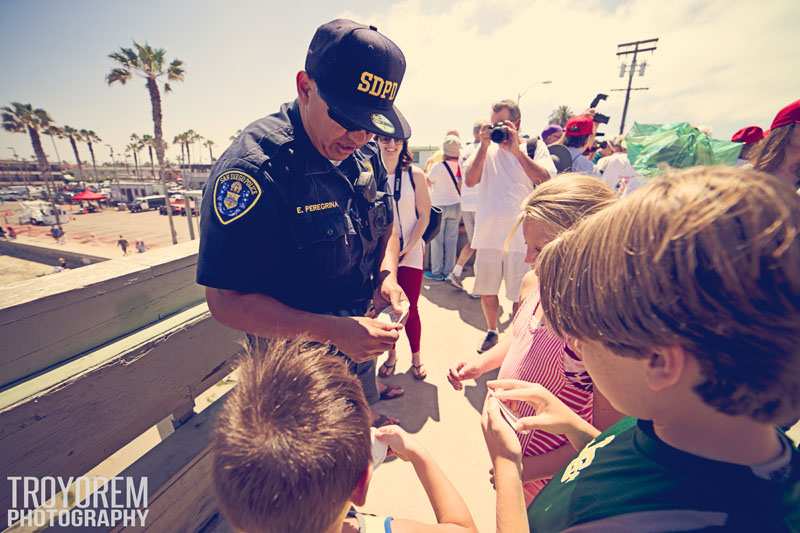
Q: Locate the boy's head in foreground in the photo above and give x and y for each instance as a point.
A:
(292, 444)
(684, 297)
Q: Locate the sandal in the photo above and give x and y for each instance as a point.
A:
(418, 371)
(385, 420)
(391, 392)
(387, 369)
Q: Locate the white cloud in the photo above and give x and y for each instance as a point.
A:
(721, 63)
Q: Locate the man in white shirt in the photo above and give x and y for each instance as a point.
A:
(469, 204)
(505, 176)
(616, 170)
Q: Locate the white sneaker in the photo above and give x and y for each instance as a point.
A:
(454, 281)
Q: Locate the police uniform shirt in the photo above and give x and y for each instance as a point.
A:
(280, 219)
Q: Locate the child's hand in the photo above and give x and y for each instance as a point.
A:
(399, 441)
(501, 441)
(552, 414)
(462, 371)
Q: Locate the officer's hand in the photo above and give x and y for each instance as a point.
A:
(362, 338)
(390, 293)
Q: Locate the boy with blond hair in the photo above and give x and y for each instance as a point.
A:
(292, 453)
(683, 300)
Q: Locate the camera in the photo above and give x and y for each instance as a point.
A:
(599, 117)
(499, 133)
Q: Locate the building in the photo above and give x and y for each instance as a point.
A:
(422, 154)
(197, 178)
(15, 170)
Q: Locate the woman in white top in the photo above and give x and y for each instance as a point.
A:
(412, 209)
(445, 181)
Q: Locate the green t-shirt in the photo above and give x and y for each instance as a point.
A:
(627, 479)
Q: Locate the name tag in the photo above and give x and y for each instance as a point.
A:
(311, 208)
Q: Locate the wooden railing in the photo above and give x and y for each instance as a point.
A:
(94, 357)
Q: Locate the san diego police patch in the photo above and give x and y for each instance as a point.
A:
(235, 193)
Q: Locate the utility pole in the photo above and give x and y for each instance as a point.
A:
(523, 93)
(648, 45)
(113, 164)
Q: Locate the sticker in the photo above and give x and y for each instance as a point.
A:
(382, 123)
(235, 193)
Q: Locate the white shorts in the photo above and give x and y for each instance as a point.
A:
(494, 266)
(468, 217)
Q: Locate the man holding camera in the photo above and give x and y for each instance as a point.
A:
(505, 175)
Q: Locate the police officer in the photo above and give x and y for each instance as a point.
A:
(296, 228)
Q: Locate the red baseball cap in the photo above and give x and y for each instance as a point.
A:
(579, 126)
(748, 135)
(788, 115)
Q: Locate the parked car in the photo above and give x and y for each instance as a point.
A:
(15, 192)
(38, 213)
(178, 208)
(147, 203)
(64, 197)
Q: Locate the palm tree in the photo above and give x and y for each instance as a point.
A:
(186, 139)
(208, 144)
(191, 138)
(89, 137)
(23, 118)
(72, 134)
(54, 132)
(149, 63)
(233, 137)
(149, 142)
(180, 139)
(560, 115)
(135, 146)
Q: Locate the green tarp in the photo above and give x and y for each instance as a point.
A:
(679, 145)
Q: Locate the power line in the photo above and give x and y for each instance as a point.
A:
(648, 45)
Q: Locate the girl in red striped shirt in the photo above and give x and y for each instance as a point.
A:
(534, 353)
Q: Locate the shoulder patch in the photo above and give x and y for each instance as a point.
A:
(235, 193)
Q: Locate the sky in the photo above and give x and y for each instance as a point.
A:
(723, 64)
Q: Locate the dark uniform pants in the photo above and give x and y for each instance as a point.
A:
(365, 372)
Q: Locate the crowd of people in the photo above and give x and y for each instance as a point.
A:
(481, 184)
(652, 364)
(680, 303)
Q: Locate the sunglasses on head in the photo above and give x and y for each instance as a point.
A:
(386, 140)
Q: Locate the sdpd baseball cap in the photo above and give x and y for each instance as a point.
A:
(358, 71)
